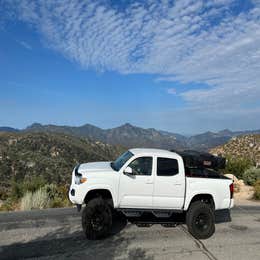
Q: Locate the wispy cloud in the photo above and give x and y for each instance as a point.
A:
(25, 45)
(171, 91)
(210, 42)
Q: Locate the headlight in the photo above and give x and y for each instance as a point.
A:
(80, 179)
(78, 176)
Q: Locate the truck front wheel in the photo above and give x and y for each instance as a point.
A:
(200, 220)
(96, 219)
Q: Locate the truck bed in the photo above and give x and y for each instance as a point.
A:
(204, 181)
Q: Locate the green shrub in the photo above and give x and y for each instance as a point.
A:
(58, 195)
(50, 195)
(51, 190)
(257, 190)
(251, 175)
(35, 200)
(7, 205)
(237, 166)
(34, 183)
(19, 188)
(57, 203)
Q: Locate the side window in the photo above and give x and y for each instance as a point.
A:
(142, 166)
(167, 167)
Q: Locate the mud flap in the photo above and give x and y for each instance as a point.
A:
(78, 207)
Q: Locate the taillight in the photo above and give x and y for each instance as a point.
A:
(231, 188)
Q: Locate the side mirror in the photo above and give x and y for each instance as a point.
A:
(128, 170)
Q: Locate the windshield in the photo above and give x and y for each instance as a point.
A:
(121, 160)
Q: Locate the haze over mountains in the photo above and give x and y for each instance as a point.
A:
(132, 136)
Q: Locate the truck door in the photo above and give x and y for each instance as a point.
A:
(169, 184)
(136, 189)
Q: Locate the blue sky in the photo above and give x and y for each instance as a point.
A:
(183, 66)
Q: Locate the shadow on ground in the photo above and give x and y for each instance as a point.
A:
(63, 244)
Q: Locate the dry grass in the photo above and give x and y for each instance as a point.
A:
(35, 200)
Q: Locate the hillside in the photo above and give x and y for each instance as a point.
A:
(246, 146)
(49, 155)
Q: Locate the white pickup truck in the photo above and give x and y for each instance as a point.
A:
(151, 186)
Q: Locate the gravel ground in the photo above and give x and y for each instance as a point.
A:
(57, 234)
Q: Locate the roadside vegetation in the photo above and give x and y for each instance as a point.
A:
(35, 194)
(257, 190)
(245, 169)
(237, 166)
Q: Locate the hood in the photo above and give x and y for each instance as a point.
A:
(94, 167)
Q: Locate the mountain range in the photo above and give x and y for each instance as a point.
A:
(132, 136)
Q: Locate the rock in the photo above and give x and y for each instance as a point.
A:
(30, 164)
(232, 177)
(238, 184)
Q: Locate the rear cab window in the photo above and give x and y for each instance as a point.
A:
(167, 166)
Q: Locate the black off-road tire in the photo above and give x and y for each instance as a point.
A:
(200, 220)
(96, 219)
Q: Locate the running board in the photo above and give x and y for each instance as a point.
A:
(150, 223)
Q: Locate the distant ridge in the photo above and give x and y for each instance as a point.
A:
(8, 129)
(133, 136)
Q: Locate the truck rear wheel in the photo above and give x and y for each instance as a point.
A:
(200, 220)
(96, 219)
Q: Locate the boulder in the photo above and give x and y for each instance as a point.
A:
(232, 177)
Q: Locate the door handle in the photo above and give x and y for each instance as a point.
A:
(177, 184)
(149, 182)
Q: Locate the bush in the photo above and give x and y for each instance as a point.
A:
(16, 190)
(51, 190)
(33, 184)
(58, 195)
(251, 175)
(57, 203)
(41, 199)
(237, 166)
(35, 200)
(26, 202)
(50, 195)
(257, 190)
(19, 188)
(7, 205)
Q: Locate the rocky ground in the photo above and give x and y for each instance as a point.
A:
(243, 194)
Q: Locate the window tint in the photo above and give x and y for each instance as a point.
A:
(121, 160)
(167, 167)
(142, 166)
(201, 172)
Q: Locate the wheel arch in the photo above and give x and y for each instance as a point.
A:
(104, 193)
(203, 197)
